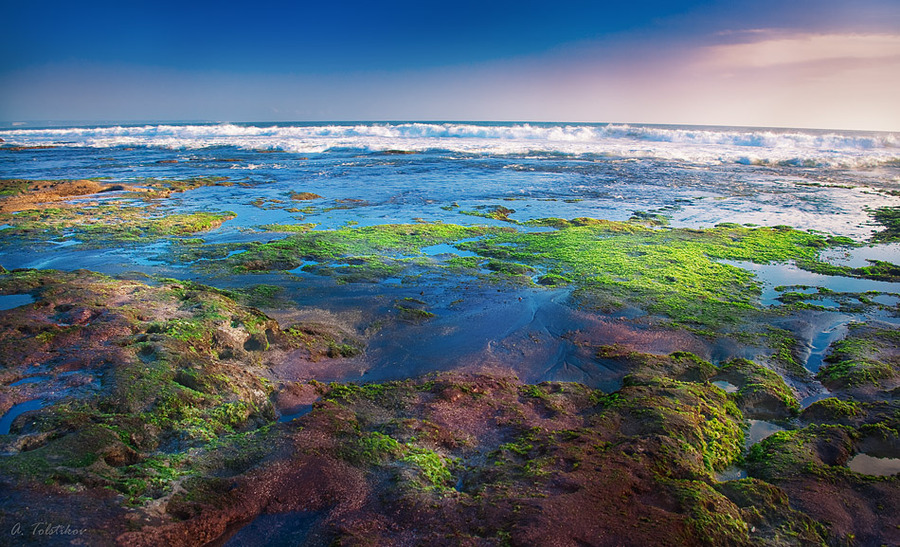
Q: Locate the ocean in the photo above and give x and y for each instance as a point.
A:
(820, 180)
(372, 174)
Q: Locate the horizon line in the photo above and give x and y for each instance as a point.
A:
(6, 125)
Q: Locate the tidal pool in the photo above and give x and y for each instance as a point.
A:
(10, 301)
(759, 430)
(279, 529)
(17, 410)
(870, 465)
(778, 275)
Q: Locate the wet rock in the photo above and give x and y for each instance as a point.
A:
(810, 466)
(762, 394)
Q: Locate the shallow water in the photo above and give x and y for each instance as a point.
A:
(732, 473)
(728, 387)
(822, 341)
(810, 399)
(759, 430)
(30, 380)
(17, 410)
(10, 301)
(870, 465)
(444, 248)
(779, 275)
(278, 529)
(859, 257)
(294, 413)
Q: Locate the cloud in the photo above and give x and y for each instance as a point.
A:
(800, 49)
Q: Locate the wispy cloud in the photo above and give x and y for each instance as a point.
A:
(772, 51)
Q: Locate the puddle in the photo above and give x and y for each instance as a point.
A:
(295, 413)
(859, 257)
(731, 473)
(810, 399)
(5, 226)
(727, 386)
(281, 529)
(30, 380)
(824, 302)
(822, 342)
(886, 299)
(299, 269)
(870, 465)
(10, 301)
(17, 410)
(445, 249)
(778, 275)
(759, 430)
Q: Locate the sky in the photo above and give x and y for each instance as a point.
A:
(831, 64)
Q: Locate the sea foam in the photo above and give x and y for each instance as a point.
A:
(804, 148)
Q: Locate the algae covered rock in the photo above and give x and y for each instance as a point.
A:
(865, 364)
(761, 393)
(810, 465)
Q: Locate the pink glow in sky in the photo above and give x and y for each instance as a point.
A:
(835, 67)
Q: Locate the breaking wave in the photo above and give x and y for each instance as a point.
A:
(804, 148)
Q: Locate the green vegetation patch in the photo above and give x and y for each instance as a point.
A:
(672, 272)
(699, 415)
(889, 217)
(866, 357)
(761, 391)
(106, 224)
(162, 187)
(13, 187)
(368, 246)
(820, 450)
(848, 374)
(288, 228)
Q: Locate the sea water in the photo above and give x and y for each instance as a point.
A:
(380, 173)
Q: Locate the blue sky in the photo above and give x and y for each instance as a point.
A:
(822, 63)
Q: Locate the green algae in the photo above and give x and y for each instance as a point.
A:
(878, 270)
(699, 415)
(431, 465)
(288, 228)
(495, 212)
(889, 218)
(714, 518)
(847, 374)
(106, 224)
(13, 187)
(676, 273)
(759, 386)
(766, 508)
(813, 450)
(161, 187)
(833, 409)
(784, 346)
(322, 341)
(110, 221)
(379, 245)
(165, 389)
(864, 358)
(649, 218)
(672, 272)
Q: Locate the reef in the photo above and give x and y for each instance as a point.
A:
(143, 410)
(162, 420)
(97, 213)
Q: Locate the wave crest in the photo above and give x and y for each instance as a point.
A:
(698, 145)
